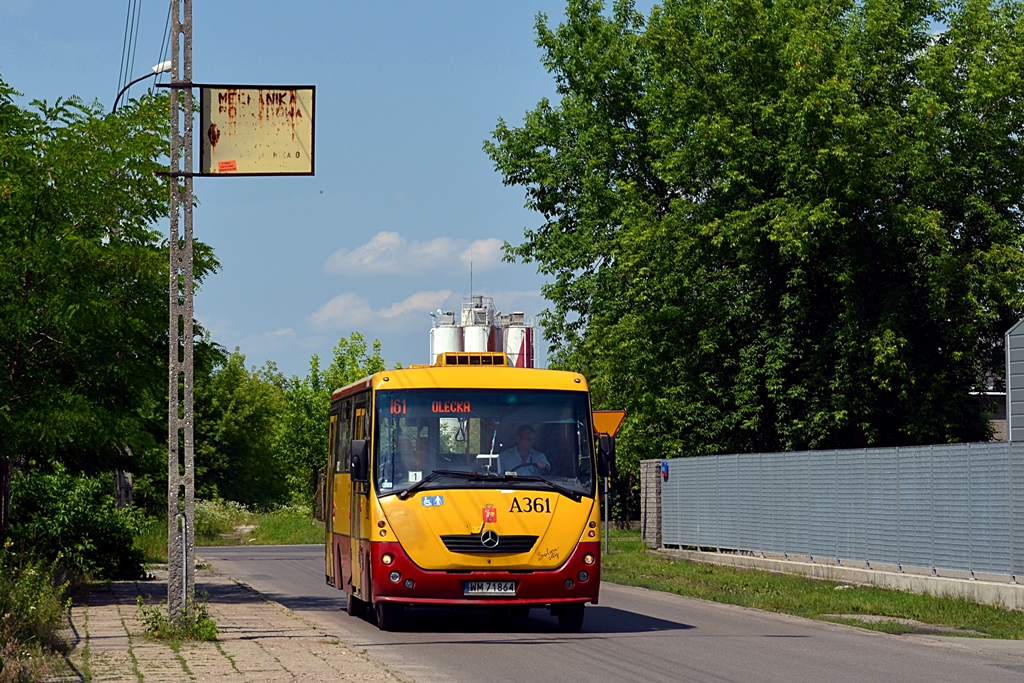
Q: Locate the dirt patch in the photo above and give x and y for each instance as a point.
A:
(912, 625)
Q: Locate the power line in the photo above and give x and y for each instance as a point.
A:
(135, 41)
(124, 47)
(129, 46)
(165, 45)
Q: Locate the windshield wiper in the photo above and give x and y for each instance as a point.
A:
(402, 495)
(488, 476)
(564, 490)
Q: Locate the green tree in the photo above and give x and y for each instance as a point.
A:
(303, 442)
(351, 360)
(149, 465)
(239, 416)
(83, 281)
(776, 226)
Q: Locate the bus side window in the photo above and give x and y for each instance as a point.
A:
(360, 423)
(342, 440)
(331, 440)
(367, 417)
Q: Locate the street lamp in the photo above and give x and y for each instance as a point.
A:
(161, 68)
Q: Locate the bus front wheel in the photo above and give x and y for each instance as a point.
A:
(570, 618)
(389, 616)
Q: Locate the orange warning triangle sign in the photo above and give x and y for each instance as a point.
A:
(606, 422)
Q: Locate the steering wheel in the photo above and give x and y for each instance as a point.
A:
(529, 464)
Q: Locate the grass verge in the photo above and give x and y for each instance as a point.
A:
(629, 563)
(221, 523)
(287, 526)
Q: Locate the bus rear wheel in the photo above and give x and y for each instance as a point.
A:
(570, 618)
(354, 606)
(389, 616)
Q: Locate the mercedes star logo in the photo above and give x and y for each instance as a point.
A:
(489, 539)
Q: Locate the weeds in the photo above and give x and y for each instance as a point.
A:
(195, 624)
(33, 609)
(216, 517)
(24, 663)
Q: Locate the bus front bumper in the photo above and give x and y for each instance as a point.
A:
(440, 587)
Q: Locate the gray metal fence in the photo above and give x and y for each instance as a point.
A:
(956, 507)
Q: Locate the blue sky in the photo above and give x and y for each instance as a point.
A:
(403, 196)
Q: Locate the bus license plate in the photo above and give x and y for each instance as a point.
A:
(489, 588)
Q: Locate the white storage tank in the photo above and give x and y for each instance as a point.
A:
(480, 328)
(476, 338)
(478, 324)
(445, 335)
(518, 340)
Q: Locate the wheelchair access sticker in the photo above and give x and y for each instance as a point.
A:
(432, 501)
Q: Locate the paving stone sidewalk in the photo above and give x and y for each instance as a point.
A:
(259, 640)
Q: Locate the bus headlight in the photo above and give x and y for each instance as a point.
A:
(569, 584)
(583, 576)
(387, 558)
(395, 577)
(588, 559)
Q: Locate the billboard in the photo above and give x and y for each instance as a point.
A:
(256, 130)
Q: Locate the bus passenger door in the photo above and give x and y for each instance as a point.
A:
(341, 508)
(360, 507)
(328, 501)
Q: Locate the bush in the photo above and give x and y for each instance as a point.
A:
(74, 518)
(32, 613)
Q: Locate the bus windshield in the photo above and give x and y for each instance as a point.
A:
(483, 438)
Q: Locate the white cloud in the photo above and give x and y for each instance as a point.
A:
(482, 253)
(389, 252)
(350, 310)
(344, 310)
(418, 302)
(283, 333)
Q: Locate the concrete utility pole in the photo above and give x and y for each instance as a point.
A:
(181, 546)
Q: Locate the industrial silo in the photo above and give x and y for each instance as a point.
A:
(445, 335)
(518, 340)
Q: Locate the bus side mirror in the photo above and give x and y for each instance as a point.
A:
(605, 455)
(360, 459)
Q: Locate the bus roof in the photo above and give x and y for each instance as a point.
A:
(466, 377)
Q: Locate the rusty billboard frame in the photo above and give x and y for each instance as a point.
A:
(205, 89)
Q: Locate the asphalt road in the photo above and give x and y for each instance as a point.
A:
(633, 635)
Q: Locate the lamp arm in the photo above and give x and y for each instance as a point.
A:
(125, 88)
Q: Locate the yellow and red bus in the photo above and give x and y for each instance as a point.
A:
(465, 483)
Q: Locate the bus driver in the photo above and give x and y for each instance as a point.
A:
(523, 456)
